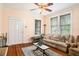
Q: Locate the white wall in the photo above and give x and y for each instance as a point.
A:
(1, 7)
(26, 17)
(74, 10)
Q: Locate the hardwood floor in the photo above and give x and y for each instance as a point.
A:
(16, 50)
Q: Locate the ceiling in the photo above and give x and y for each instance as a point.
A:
(28, 6)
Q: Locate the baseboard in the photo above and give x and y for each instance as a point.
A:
(19, 44)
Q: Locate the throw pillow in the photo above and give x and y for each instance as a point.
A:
(71, 39)
(63, 39)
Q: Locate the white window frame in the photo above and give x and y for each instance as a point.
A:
(59, 21)
(39, 28)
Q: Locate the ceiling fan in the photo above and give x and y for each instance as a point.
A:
(43, 7)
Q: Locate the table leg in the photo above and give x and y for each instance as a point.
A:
(36, 49)
(67, 50)
(44, 53)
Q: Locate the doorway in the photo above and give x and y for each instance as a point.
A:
(16, 31)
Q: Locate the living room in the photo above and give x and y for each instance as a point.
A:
(22, 25)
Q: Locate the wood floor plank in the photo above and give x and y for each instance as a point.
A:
(16, 50)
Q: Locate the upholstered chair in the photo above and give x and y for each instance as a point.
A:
(71, 40)
(77, 40)
(74, 50)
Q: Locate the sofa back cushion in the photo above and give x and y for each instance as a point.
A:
(72, 39)
(52, 37)
(57, 37)
(78, 44)
(48, 36)
(77, 38)
(62, 39)
(67, 37)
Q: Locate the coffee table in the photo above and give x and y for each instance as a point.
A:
(42, 48)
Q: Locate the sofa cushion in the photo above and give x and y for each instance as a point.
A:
(77, 44)
(62, 39)
(56, 42)
(77, 39)
(72, 39)
(75, 49)
(67, 37)
(74, 45)
(56, 37)
(47, 36)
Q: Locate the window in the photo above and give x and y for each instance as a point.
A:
(54, 25)
(65, 24)
(37, 27)
(61, 25)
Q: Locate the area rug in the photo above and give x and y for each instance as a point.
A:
(28, 51)
(3, 51)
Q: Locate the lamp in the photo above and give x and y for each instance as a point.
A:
(44, 29)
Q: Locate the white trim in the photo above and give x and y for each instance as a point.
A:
(15, 19)
(58, 15)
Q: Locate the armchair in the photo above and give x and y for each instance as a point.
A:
(70, 42)
(3, 39)
(74, 49)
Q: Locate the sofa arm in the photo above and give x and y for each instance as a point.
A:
(69, 45)
(73, 45)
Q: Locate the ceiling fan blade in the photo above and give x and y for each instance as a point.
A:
(48, 10)
(36, 4)
(33, 9)
(49, 4)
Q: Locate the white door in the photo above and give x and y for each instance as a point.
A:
(15, 31)
(19, 31)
